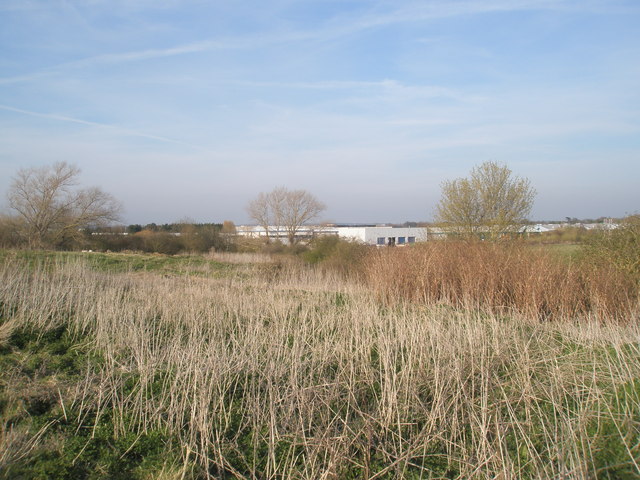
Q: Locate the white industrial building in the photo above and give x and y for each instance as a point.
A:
(383, 235)
(370, 235)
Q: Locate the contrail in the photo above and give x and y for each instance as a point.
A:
(64, 118)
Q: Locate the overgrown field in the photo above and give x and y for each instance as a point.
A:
(202, 368)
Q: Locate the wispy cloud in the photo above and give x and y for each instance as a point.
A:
(258, 41)
(384, 87)
(113, 128)
(335, 28)
(439, 9)
(115, 58)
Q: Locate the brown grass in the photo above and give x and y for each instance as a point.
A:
(501, 278)
(309, 377)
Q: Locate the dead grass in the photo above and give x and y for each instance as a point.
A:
(503, 278)
(305, 375)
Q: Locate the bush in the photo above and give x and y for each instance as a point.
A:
(116, 243)
(159, 242)
(320, 249)
(336, 254)
(619, 247)
(9, 237)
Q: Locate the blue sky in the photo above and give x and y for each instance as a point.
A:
(188, 109)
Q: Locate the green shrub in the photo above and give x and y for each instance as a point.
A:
(619, 247)
(320, 249)
(336, 254)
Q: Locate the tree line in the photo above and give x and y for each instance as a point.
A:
(51, 210)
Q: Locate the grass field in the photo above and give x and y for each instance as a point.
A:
(564, 250)
(131, 366)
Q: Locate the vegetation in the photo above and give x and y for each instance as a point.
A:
(338, 255)
(285, 210)
(254, 368)
(168, 239)
(51, 211)
(169, 265)
(505, 278)
(490, 202)
(619, 247)
(214, 357)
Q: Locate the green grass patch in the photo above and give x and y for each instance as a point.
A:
(127, 262)
(38, 374)
(567, 251)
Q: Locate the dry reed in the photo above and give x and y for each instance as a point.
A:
(309, 377)
(501, 278)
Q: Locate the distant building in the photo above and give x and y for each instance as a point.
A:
(538, 228)
(383, 235)
(368, 234)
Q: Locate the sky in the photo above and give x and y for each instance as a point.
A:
(190, 108)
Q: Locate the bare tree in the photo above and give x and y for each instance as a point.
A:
(490, 201)
(260, 211)
(51, 208)
(286, 211)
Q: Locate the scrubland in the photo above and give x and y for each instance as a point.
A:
(450, 361)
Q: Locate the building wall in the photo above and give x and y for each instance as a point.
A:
(369, 235)
(372, 235)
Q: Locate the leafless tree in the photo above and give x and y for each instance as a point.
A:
(285, 211)
(490, 201)
(52, 209)
(259, 210)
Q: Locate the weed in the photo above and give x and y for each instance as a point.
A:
(296, 372)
